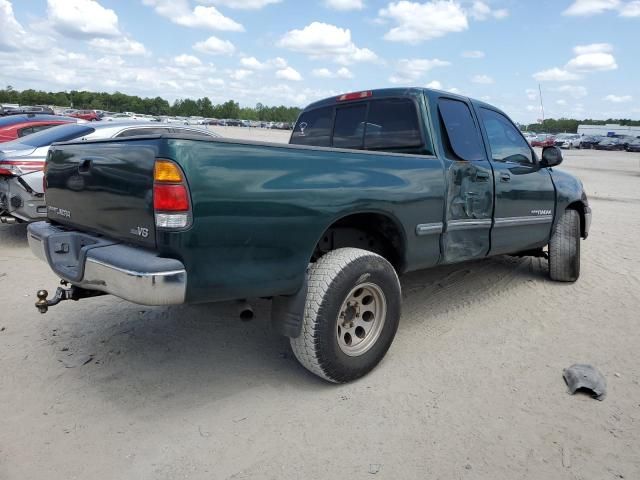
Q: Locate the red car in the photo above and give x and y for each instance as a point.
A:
(88, 115)
(16, 126)
(543, 140)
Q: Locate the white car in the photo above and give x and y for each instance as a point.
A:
(568, 140)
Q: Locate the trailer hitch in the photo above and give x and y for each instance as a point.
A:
(72, 293)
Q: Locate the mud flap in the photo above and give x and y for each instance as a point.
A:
(287, 312)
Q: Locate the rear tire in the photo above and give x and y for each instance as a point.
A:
(564, 248)
(351, 315)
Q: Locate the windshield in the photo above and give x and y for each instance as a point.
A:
(63, 133)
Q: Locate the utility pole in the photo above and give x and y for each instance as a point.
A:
(541, 104)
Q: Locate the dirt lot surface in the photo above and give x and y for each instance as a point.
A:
(471, 389)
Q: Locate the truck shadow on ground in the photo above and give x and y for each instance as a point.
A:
(13, 235)
(205, 352)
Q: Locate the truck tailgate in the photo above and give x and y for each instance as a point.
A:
(104, 187)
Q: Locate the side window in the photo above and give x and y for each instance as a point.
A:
(314, 128)
(39, 128)
(348, 131)
(132, 132)
(25, 131)
(392, 124)
(506, 142)
(460, 133)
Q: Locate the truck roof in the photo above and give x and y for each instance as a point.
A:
(381, 93)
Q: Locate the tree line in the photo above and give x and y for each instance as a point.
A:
(120, 102)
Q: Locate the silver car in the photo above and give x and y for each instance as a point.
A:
(22, 161)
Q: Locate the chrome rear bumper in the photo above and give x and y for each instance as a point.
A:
(131, 273)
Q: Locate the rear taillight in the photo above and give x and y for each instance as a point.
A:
(170, 196)
(19, 167)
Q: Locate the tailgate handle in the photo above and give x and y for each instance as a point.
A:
(84, 166)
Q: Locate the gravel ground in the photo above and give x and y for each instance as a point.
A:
(471, 389)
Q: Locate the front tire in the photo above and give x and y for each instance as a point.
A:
(564, 248)
(351, 315)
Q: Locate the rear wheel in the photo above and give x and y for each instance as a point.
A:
(351, 314)
(564, 248)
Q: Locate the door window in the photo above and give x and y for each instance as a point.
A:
(132, 132)
(505, 141)
(460, 133)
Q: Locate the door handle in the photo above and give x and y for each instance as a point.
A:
(482, 176)
(505, 177)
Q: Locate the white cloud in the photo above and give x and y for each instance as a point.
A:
(618, 99)
(120, 46)
(591, 7)
(555, 75)
(253, 63)
(322, 73)
(593, 48)
(410, 70)
(416, 22)
(290, 74)
(473, 54)
(481, 11)
(215, 46)
(82, 18)
(12, 35)
(561, 102)
(240, 74)
(185, 60)
(435, 84)
(591, 62)
(531, 94)
(454, 90)
(631, 9)
(344, 4)
(575, 91)
(242, 4)
(482, 79)
(344, 72)
(323, 40)
(180, 12)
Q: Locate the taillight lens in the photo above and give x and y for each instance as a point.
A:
(170, 196)
(19, 167)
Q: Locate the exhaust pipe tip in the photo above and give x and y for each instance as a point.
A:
(245, 311)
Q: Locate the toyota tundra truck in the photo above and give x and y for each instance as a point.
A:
(372, 185)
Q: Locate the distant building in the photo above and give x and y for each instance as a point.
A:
(609, 129)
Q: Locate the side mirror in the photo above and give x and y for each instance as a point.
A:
(551, 157)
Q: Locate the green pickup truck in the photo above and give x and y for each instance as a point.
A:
(373, 184)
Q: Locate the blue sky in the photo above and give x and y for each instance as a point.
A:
(582, 52)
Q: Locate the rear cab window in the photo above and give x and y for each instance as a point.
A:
(460, 134)
(384, 124)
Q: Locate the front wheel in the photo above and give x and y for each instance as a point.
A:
(564, 248)
(351, 315)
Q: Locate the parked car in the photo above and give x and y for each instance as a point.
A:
(88, 115)
(529, 136)
(323, 232)
(567, 140)
(17, 126)
(28, 109)
(633, 146)
(590, 141)
(609, 143)
(22, 161)
(625, 139)
(543, 140)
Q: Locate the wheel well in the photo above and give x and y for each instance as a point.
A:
(369, 231)
(579, 207)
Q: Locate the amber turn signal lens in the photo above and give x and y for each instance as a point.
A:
(166, 171)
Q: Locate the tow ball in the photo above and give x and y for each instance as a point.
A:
(72, 293)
